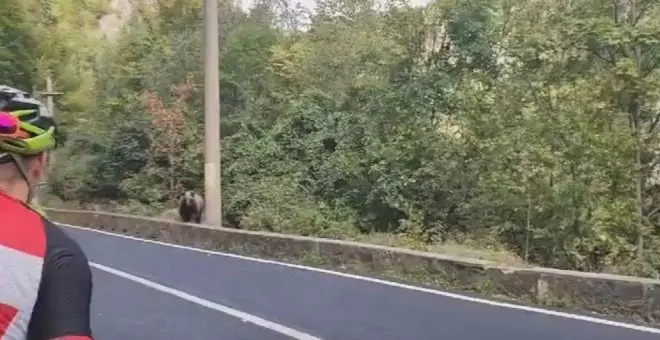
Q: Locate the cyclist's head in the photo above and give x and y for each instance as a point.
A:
(26, 133)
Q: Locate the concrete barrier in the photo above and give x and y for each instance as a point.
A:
(630, 298)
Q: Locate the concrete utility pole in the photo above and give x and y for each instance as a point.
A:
(212, 149)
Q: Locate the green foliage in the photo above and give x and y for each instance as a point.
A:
(528, 126)
(18, 40)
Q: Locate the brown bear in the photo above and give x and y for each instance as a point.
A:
(191, 207)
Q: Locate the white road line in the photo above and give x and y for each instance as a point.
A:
(298, 335)
(565, 315)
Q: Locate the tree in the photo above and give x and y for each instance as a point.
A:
(18, 59)
(527, 126)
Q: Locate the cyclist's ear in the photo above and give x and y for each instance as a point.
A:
(36, 165)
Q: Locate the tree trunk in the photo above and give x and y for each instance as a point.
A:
(633, 111)
(640, 199)
(528, 228)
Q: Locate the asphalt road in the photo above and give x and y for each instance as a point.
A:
(186, 294)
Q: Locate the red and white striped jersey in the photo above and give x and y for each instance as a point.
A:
(45, 278)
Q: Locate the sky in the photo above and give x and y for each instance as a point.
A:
(310, 3)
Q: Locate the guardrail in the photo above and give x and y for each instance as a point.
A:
(632, 298)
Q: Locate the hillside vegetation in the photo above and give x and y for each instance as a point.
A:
(526, 130)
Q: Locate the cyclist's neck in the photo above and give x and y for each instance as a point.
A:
(16, 190)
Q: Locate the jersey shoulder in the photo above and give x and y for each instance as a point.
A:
(63, 305)
(59, 244)
(22, 228)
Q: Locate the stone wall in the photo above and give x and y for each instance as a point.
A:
(630, 298)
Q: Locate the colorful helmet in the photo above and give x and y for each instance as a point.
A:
(26, 128)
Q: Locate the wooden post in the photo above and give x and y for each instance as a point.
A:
(50, 95)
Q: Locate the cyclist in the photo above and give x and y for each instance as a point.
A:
(45, 279)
